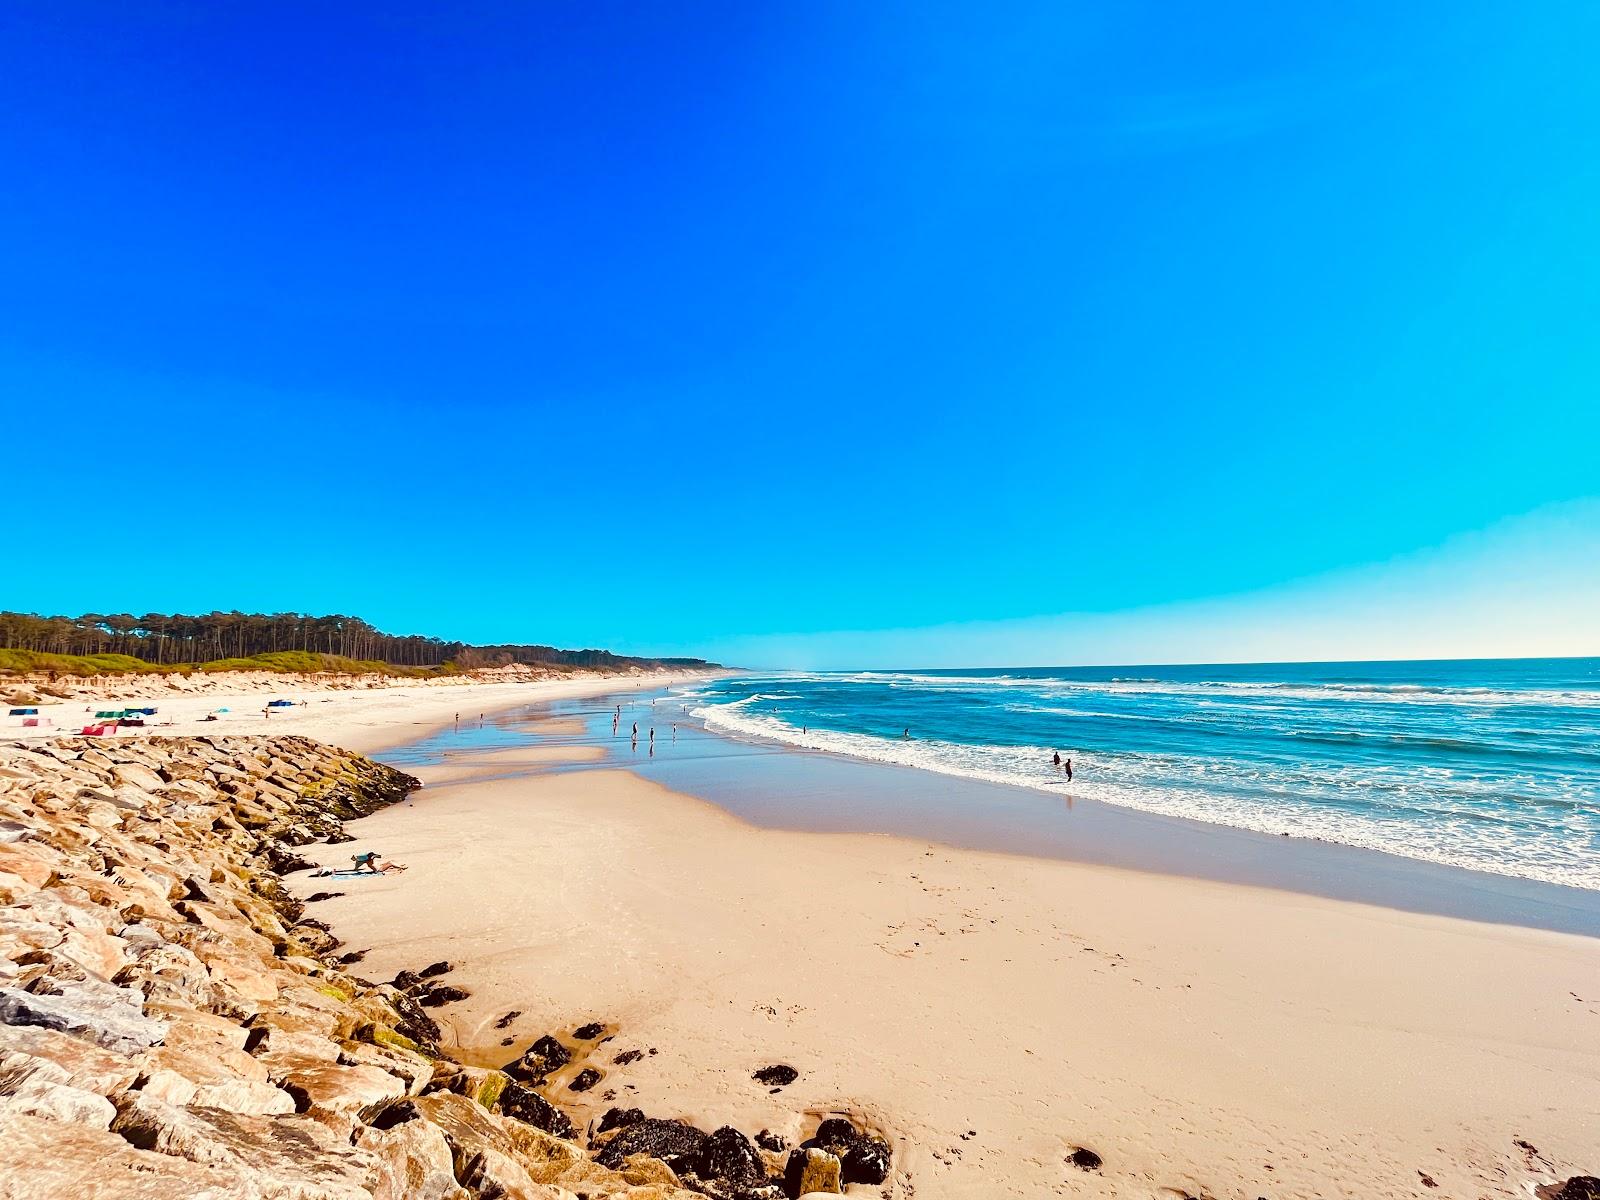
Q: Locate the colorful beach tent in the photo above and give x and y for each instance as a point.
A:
(24, 712)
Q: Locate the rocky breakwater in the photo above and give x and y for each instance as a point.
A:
(172, 1024)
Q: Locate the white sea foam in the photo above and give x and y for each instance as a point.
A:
(1391, 693)
(1399, 811)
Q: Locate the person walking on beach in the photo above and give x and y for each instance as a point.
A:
(674, 733)
(636, 731)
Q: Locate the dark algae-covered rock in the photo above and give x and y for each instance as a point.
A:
(1084, 1159)
(413, 1022)
(587, 1033)
(835, 1131)
(673, 1142)
(768, 1140)
(619, 1118)
(778, 1075)
(584, 1080)
(527, 1106)
(1579, 1187)
(728, 1155)
(437, 994)
(538, 1060)
(862, 1158)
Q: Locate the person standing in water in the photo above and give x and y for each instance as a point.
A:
(1069, 770)
(1056, 758)
(906, 736)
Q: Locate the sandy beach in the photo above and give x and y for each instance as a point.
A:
(989, 1013)
(330, 709)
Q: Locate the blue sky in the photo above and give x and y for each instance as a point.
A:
(760, 330)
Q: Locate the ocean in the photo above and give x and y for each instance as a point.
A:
(1491, 765)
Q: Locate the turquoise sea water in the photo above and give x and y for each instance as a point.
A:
(1491, 765)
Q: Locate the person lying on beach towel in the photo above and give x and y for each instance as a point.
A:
(369, 862)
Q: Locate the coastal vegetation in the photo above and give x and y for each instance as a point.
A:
(121, 643)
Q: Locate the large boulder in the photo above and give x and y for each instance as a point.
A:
(59, 1102)
(526, 1105)
(62, 1058)
(472, 1130)
(278, 1155)
(1579, 1187)
(350, 1091)
(674, 1142)
(811, 1170)
(415, 1161)
(862, 1157)
(110, 1016)
(619, 1118)
(137, 776)
(47, 1160)
(729, 1156)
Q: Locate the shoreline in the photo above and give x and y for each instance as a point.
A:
(776, 786)
(1208, 1038)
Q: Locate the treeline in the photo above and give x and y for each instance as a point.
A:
(177, 639)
